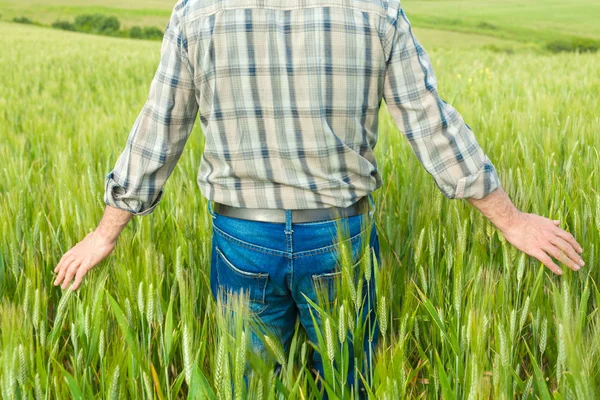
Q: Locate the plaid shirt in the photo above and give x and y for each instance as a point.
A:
(288, 97)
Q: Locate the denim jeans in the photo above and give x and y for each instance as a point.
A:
(278, 264)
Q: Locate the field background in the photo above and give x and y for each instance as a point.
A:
(511, 20)
(465, 315)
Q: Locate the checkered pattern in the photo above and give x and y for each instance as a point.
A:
(288, 97)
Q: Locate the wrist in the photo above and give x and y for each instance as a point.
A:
(498, 209)
(112, 224)
(506, 220)
(106, 235)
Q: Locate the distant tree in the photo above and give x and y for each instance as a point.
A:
(23, 20)
(136, 32)
(97, 23)
(64, 25)
(582, 45)
(151, 32)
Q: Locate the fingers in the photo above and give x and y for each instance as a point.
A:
(569, 238)
(63, 270)
(73, 268)
(568, 249)
(79, 277)
(557, 254)
(65, 259)
(547, 261)
(70, 273)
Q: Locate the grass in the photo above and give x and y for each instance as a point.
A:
(462, 314)
(512, 19)
(130, 13)
(435, 38)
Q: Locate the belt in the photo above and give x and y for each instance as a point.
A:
(301, 215)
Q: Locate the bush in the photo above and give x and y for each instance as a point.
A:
(106, 25)
(97, 23)
(64, 25)
(487, 25)
(136, 33)
(583, 45)
(23, 20)
(150, 32)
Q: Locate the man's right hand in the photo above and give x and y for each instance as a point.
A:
(541, 238)
(534, 235)
(94, 248)
(81, 258)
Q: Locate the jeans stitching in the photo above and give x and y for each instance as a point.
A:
(330, 247)
(251, 246)
(327, 221)
(266, 250)
(265, 276)
(210, 210)
(289, 232)
(246, 274)
(264, 304)
(335, 273)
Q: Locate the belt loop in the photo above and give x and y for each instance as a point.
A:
(372, 206)
(210, 210)
(288, 232)
(288, 221)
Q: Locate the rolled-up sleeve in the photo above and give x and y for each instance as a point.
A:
(443, 143)
(160, 132)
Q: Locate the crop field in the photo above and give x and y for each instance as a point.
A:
(462, 314)
(533, 21)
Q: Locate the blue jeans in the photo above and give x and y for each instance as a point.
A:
(278, 264)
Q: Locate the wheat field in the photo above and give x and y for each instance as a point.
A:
(462, 314)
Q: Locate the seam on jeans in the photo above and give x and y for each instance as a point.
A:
(286, 254)
(265, 304)
(325, 221)
(338, 271)
(238, 271)
(329, 248)
(289, 247)
(251, 246)
(291, 274)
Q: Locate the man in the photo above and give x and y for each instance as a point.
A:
(288, 96)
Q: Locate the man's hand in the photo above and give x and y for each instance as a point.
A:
(95, 247)
(534, 235)
(81, 258)
(541, 238)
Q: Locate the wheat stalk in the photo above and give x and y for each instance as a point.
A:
(383, 322)
(187, 353)
(329, 340)
(342, 324)
(544, 335)
(114, 385)
(276, 349)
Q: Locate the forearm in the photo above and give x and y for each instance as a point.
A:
(497, 207)
(112, 223)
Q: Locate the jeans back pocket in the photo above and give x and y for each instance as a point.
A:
(233, 279)
(326, 285)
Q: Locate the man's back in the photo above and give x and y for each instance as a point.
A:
(288, 97)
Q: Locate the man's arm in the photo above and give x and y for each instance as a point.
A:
(443, 143)
(95, 247)
(449, 151)
(154, 146)
(532, 234)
